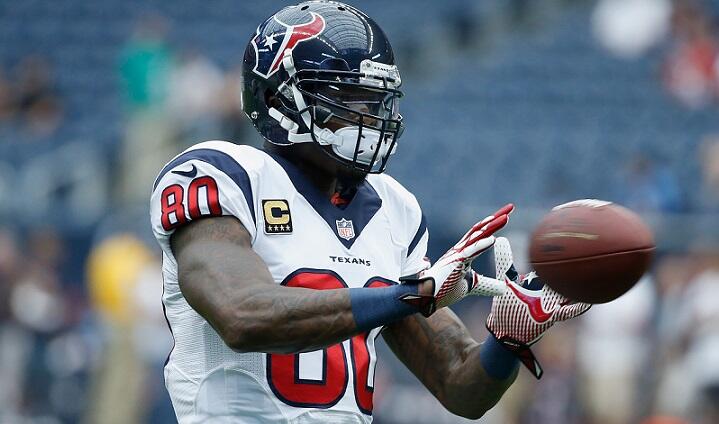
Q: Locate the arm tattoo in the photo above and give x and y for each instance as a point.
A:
(227, 283)
(443, 355)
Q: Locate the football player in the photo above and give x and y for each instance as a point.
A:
(282, 266)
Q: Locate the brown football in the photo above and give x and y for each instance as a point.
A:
(591, 250)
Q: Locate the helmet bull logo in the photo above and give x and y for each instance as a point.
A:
(269, 51)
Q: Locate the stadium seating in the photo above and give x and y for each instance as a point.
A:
(553, 101)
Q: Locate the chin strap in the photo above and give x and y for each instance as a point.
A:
(297, 97)
(322, 135)
(286, 123)
(291, 127)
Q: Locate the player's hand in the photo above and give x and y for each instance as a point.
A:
(527, 309)
(448, 278)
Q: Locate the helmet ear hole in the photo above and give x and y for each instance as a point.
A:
(271, 99)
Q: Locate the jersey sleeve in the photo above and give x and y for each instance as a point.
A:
(416, 258)
(201, 183)
(408, 223)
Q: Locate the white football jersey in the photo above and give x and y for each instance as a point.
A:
(305, 241)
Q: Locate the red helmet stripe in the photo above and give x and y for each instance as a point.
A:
(296, 34)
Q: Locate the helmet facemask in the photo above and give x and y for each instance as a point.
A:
(356, 113)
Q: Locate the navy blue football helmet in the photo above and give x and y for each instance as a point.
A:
(324, 72)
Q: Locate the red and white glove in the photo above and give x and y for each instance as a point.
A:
(449, 275)
(526, 310)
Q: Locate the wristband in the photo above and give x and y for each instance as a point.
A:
(498, 362)
(374, 307)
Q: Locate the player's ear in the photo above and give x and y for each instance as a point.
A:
(271, 100)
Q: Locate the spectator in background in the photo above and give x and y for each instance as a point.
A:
(144, 67)
(697, 317)
(12, 340)
(39, 109)
(630, 28)
(30, 107)
(233, 119)
(650, 187)
(194, 91)
(125, 285)
(709, 161)
(7, 108)
(555, 398)
(689, 69)
(613, 354)
(42, 359)
(145, 64)
(672, 275)
(709, 408)
(688, 334)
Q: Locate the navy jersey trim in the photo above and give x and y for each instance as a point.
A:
(418, 235)
(223, 162)
(360, 210)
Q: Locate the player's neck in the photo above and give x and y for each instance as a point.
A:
(317, 168)
(322, 179)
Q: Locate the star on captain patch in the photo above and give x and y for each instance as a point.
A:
(345, 229)
(278, 219)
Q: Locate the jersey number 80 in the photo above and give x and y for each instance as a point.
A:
(283, 370)
(173, 207)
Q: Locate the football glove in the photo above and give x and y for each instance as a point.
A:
(449, 276)
(526, 310)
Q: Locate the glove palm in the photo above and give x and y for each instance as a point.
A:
(526, 310)
(450, 275)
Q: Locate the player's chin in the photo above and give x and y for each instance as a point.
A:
(345, 170)
(351, 177)
(349, 174)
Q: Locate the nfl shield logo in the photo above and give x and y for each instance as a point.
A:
(345, 229)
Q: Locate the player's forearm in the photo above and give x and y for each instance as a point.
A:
(447, 360)
(279, 319)
(230, 286)
(469, 391)
(253, 314)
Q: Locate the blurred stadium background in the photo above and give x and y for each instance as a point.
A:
(532, 101)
